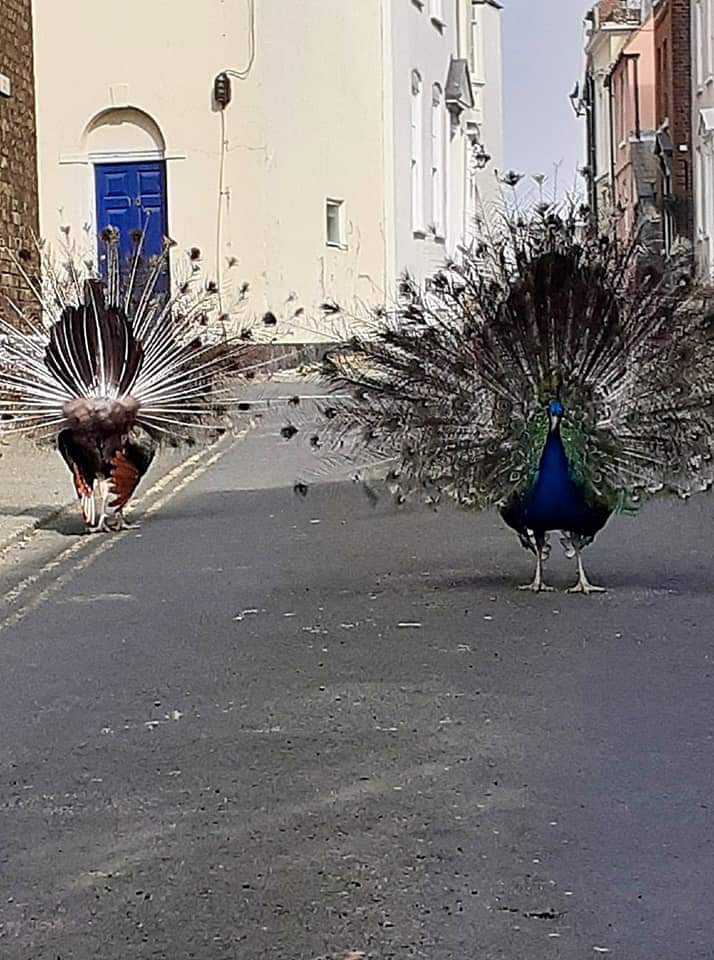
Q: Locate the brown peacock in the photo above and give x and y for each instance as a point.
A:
(113, 368)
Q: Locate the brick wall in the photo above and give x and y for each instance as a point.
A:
(18, 147)
(674, 102)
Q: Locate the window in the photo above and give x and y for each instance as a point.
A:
(436, 10)
(476, 54)
(438, 116)
(417, 165)
(705, 41)
(709, 42)
(699, 42)
(334, 221)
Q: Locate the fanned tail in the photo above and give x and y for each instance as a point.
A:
(453, 383)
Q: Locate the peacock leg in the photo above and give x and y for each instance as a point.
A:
(583, 585)
(537, 585)
(101, 524)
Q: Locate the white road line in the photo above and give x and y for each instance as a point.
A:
(94, 550)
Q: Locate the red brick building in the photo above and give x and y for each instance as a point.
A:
(673, 73)
(18, 143)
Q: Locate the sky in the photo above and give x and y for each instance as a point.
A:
(542, 51)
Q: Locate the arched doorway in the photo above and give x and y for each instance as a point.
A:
(127, 150)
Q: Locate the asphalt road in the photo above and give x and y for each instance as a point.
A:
(271, 727)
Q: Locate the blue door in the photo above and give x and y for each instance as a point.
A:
(131, 196)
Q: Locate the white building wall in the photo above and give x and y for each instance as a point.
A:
(322, 112)
(486, 61)
(303, 126)
(702, 12)
(422, 47)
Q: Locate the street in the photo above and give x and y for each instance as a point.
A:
(266, 726)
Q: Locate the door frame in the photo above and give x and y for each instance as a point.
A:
(145, 156)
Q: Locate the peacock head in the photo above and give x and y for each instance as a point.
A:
(555, 413)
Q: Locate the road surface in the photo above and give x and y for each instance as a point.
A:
(265, 726)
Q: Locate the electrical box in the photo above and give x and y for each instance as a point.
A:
(5, 86)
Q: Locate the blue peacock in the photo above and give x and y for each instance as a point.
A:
(557, 375)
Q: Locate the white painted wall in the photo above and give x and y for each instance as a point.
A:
(305, 125)
(427, 47)
(702, 12)
(484, 34)
(419, 46)
(324, 112)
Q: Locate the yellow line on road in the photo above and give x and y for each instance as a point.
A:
(94, 550)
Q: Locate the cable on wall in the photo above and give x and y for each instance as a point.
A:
(243, 74)
(222, 96)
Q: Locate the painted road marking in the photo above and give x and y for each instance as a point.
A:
(93, 550)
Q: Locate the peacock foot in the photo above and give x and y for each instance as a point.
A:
(537, 587)
(119, 523)
(586, 588)
(100, 527)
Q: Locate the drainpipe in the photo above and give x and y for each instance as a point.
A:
(591, 128)
(611, 124)
(636, 63)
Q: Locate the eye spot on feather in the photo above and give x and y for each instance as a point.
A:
(300, 489)
(315, 441)
(288, 432)
(244, 405)
(330, 412)
(294, 401)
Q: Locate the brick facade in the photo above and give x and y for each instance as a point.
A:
(18, 146)
(674, 110)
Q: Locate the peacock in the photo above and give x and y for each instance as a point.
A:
(550, 372)
(113, 368)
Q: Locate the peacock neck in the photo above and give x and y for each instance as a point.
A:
(554, 461)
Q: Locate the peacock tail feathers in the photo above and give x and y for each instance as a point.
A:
(174, 358)
(450, 387)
